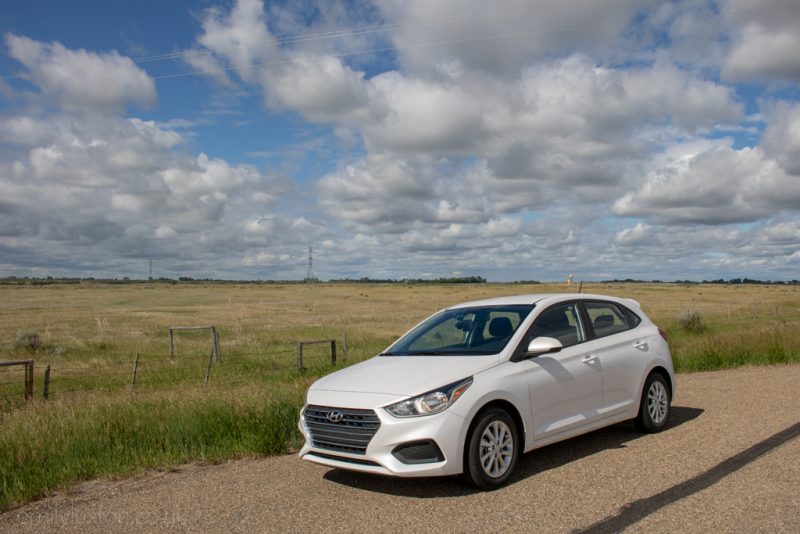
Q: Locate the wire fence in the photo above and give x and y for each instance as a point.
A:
(54, 380)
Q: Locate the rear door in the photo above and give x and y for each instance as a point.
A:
(623, 351)
(566, 386)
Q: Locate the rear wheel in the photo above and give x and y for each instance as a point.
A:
(654, 408)
(492, 450)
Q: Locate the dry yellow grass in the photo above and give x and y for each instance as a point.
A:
(94, 321)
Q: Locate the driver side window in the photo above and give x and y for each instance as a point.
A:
(560, 322)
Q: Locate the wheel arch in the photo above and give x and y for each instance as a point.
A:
(506, 406)
(658, 369)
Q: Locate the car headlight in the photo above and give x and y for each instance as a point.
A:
(431, 402)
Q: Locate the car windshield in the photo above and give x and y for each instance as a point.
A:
(463, 331)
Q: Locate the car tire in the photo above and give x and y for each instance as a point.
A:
(654, 408)
(492, 450)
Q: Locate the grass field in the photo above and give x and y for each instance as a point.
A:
(96, 424)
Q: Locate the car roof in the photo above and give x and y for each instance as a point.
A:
(546, 298)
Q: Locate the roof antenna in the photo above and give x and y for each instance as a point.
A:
(580, 286)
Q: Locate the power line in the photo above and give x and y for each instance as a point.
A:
(386, 27)
(370, 29)
(355, 32)
(388, 49)
(364, 30)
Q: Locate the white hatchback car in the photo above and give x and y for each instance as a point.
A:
(473, 386)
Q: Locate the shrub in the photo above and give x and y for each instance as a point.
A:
(692, 321)
(28, 341)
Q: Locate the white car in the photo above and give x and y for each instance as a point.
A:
(473, 386)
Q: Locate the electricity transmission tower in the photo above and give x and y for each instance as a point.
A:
(310, 274)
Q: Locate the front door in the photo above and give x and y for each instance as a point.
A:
(566, 386)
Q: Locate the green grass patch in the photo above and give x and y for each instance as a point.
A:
(727, 350)
(48, 447)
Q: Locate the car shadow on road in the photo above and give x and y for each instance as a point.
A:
(538, 461)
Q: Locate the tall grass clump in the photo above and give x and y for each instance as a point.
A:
(692, 322)
(46, 447)
(727, 350)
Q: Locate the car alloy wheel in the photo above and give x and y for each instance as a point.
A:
(654, 407)
(496, 449)
(657, 399)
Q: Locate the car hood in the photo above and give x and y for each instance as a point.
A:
(404, 375)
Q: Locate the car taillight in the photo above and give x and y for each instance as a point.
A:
(663, 334)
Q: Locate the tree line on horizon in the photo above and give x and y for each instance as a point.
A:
(44, 280)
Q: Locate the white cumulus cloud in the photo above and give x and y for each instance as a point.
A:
(79, 79)
(765, 40)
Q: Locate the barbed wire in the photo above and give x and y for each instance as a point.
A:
(85, 377)
(55, 392)
(172, 360)
(155, 372)
(54, 367)
(11, 369)
(58, 386)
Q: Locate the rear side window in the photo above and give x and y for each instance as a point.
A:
(607, 318)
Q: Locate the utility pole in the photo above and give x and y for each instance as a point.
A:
(151, 267)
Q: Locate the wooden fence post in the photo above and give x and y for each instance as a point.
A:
(214, 338)
(331, 342)
(344, 346)
(135, 368)
(47, 382)
(28, 364)
(208, 369)
(29, 380)
(215, 342)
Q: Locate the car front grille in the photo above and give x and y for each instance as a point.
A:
(352, 433)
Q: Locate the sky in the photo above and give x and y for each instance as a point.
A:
(514, 140)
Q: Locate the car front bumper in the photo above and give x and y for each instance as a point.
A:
(447, 430)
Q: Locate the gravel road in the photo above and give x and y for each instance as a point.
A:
(730, 462)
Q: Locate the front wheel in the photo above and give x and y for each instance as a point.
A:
(654, 408)
(492, 450)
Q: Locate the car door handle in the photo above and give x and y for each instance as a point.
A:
(591, 358)
(641, 345)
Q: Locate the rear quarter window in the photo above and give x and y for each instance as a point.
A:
(633, 319)
(607, 318)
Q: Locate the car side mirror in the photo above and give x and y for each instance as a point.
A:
(543, 345)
